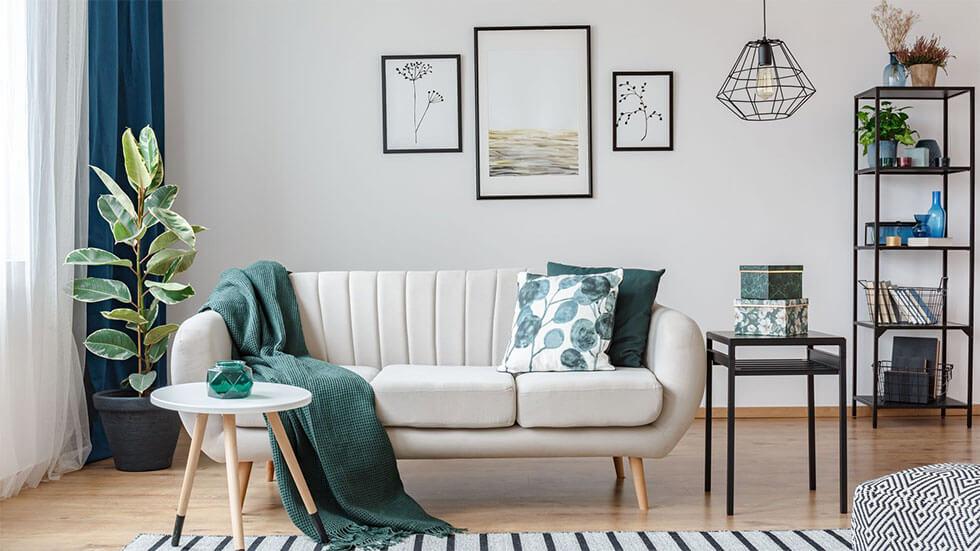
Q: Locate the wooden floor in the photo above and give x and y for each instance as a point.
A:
(100, 508)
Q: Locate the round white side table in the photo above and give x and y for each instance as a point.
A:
(267, 398)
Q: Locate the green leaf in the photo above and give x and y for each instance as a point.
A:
(168, 238)
(92, 256)
(114, 213)
(170, 293)
(124, 201)
(150, 314)
(160, 333)
(163, 197)
(97, 289)
(125, 314)
(142, 381)
(175, 223)
(111, 344)
(139, 177)
(170, 261)
(151, 155)
(157, 351)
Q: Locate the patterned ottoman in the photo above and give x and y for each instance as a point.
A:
(935, 507)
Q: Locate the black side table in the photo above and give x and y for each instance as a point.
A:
(816, 363)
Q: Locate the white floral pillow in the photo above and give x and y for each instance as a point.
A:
(562, 323)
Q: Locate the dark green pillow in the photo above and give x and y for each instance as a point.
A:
(631, 325)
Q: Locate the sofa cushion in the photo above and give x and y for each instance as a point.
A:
(626, 397)
(562, 323)
(256, 420)
(634, 305)
(444, 397)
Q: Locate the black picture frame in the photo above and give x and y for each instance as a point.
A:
(670, 110)
(459, 104)
(476, 101)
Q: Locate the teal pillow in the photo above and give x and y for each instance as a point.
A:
(631, 325)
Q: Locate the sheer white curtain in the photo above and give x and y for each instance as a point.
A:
(43, 421)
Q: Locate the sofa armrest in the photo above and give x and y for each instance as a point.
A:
(676, 355)
(201, 340)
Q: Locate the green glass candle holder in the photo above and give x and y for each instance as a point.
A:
(230, 379)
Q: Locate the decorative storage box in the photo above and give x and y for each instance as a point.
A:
(766, 282)
(771, 318)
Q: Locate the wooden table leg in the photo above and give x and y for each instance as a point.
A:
(244, 474)
(234, 491)
(190, 469)
(270, 472)
(304, 491)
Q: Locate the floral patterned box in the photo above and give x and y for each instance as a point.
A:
(771, 318)
(770, 282)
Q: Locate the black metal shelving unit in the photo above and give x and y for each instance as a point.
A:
(913, 93)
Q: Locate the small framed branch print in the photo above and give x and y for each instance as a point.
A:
(421, 104)
(643, 111)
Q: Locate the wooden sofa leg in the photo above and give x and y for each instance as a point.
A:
(244, 473)
(270, 471)
(639, 482)
(618, 465)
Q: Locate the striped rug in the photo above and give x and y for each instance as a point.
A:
(789, 540)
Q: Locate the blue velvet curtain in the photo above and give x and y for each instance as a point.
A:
(125, 83)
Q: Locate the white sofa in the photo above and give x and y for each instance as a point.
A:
(428, 342)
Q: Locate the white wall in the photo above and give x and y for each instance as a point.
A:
(274, 134)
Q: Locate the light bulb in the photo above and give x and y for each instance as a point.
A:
(765, 82)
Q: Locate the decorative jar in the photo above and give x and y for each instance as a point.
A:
(230, 379)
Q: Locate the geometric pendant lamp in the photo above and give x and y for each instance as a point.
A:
(766, 82)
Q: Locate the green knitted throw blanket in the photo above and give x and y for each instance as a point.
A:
(342, 448)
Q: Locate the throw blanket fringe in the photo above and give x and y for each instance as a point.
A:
(342, 448)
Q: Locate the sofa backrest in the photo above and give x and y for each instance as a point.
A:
(424, 318)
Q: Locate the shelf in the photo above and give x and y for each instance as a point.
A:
(921, 170)
(907, 326)
(945, 403)
(770, 366)
(907, 248)
(914, 92)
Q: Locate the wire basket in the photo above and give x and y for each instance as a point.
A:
(902, 305)
(912, 386)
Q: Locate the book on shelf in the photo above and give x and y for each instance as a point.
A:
(899, 305)
(930, 242)
(921, 355)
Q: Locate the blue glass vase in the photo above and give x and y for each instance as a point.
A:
(921, 228)
(895, 73)
(937, 216)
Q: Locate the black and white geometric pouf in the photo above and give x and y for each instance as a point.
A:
(936, 507)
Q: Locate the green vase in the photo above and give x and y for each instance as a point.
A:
(230, 379)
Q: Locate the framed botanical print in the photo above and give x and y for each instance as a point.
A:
(643, 111)
(421, 106)
(533, 112)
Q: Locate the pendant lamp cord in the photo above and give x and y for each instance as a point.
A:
(763, 18)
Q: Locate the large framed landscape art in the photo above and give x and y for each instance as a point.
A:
(533, 112)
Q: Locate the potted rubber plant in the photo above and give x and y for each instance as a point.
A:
(893, 128)
(142, 436)
(923, 59)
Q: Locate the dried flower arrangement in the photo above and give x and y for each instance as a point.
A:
(894, 24)
(925, 51)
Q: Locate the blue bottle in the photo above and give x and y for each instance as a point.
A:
(937, 216)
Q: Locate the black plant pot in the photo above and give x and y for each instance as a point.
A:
(142, 436)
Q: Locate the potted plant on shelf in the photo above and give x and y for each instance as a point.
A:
(893, 128)
(923, 58)
(142, 436)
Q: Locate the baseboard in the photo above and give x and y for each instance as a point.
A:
(793, 412)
